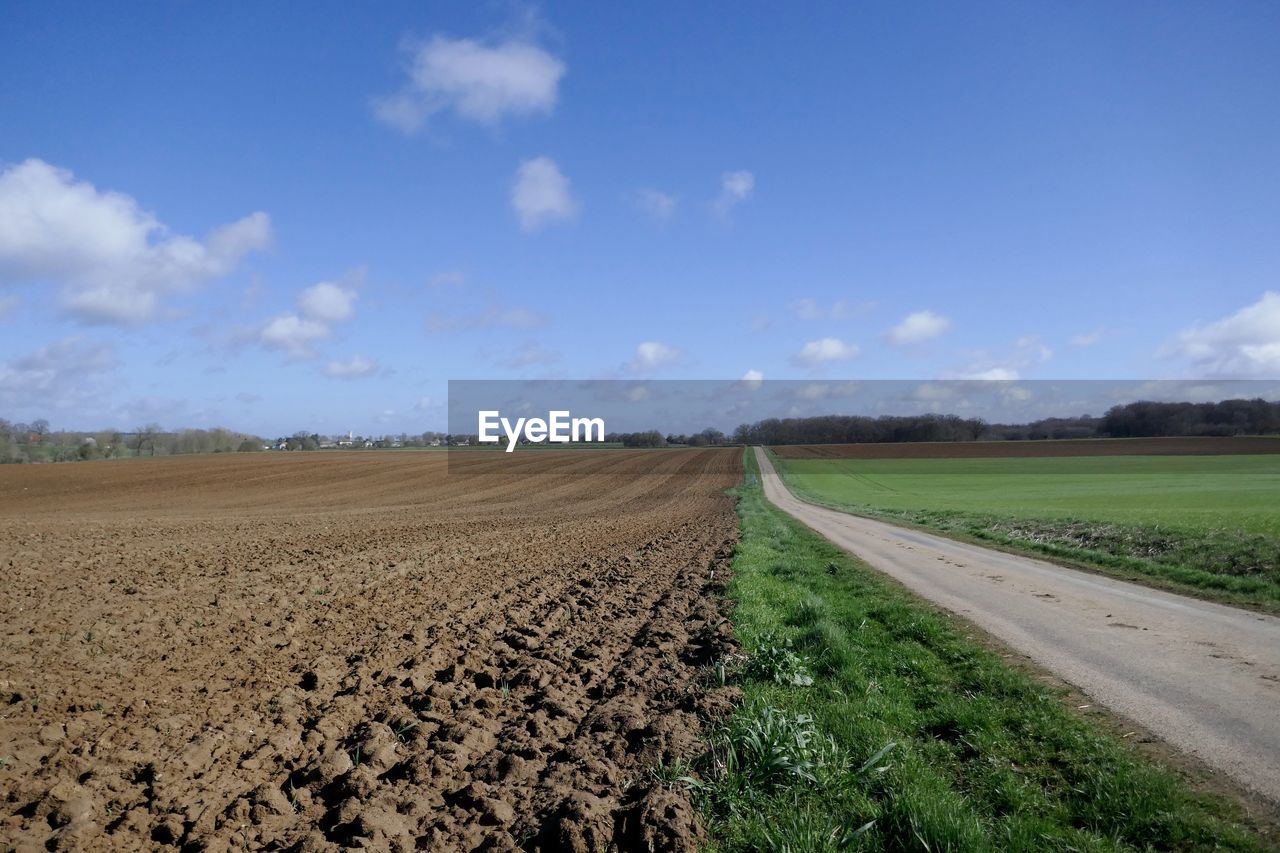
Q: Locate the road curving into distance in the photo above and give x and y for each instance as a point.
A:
(1202, 676)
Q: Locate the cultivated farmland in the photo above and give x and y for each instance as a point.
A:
(1180, 446)
(1198, 523)
(359, 648)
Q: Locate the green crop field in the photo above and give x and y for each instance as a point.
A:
(1203, 524)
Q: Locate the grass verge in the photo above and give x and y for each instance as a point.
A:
(1228, 566)
(871, 722)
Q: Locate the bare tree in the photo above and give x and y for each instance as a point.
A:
(145, 438)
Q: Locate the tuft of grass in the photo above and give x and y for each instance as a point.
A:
(912, 736)
(774, 660)
(807, 831)
(673, 774)
(768, 746)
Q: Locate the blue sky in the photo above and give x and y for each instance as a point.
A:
(248, 215)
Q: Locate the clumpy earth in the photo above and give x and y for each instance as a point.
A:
(385, 650)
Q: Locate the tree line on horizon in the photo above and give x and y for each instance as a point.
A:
(1140, 419)
(37, 442)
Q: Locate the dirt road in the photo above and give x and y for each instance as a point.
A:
(1204, 677)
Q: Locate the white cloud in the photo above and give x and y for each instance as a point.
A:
(752, 378)
(809, 308)
(319, 308)
(1247, 343)
(825, 350)
(294, 334)
(530, 354)
(993, 374)
(1028, 352)
(60, 376)
(651, 355)
(356, 368)
(478, 81)
(113, 261)
(824, 390)
(494, 315)
(1086, 340)
(541, 194)
(447, 278)
(327, 302)
(657, 204)
(917, 328)
(1028, 349)
(735, 188)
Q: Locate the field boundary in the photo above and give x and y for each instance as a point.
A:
(1036, 449)
(1058, 555)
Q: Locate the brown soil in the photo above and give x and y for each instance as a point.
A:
(1195, 446)
(306, 651)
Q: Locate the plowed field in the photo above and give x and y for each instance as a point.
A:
(311, 650)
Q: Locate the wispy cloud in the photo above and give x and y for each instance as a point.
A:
(1086, 340)
(113, 262)
(530, 354)
(657, 204)
(484, 81)
(735, 189)
(357, 367)
(541, 194)
(1003, 374)
(493, 314)
(809, 308)
(1028, 352)
(59, 376)
(446, 278)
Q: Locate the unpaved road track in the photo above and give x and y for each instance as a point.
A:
(1203, 677)
(314, 650)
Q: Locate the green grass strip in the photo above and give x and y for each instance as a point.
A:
(870, 722)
